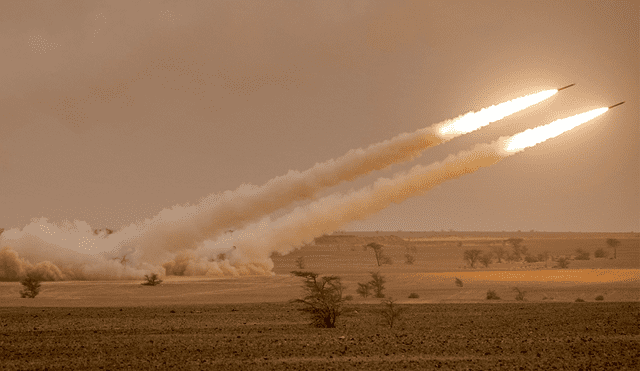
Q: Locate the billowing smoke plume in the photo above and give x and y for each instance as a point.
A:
(185, 227)
(174, 235)
(254, 244)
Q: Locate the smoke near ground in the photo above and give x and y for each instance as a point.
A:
(172, 244)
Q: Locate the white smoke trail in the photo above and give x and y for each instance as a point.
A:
(255, 243)
(181, 229)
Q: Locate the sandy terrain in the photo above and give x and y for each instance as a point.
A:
(596, 336)
(247, 323)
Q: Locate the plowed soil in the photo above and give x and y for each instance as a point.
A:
(275, 336)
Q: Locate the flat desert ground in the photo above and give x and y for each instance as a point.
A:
(248, 323)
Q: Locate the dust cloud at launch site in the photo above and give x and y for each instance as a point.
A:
(173, 138)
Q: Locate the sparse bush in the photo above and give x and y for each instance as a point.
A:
(599, 298)
(530, 259)
(563, 262)
(31, 287)
(520, 295)
(613, 243)
(543, 257)
(601, 253)
(518, 250)
(409, 259)
(151, 280)
(377, 284)
(385, 259)
(323, 300)
(412, 249)
(582, 254)
(578, 300)
(348, 297)
(499, 252)
(472, 256)
(510, 257)
(458, 282)
(364, 289)
(486, 259)
(413, 295)
(300, 262)
(491, 295)
(390, 312)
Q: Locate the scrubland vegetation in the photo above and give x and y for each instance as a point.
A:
(326, 327)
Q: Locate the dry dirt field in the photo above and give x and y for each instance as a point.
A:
(275, 336)
(247, 323)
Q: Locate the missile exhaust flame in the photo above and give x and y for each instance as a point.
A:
(475, 120)
(531, 137)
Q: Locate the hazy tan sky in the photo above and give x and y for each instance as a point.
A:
(112, 111)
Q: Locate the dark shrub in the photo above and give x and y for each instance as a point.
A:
(409, 259)
(520, 295)
(391, 312)
(601, 253)
(323, 300)
(599, 298)
(363, 289)
(562, 262)
(413, 295)
(31, 287)
(582, 254)
(377, 283)
(151, 280)
(491, 295)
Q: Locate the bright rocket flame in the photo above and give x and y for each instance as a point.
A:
(475, 120)
(531, 137)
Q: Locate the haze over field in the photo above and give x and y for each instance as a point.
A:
(136, 132)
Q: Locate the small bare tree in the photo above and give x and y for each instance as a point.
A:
(486, 259)
(378, 251)
(364, 289)
(472, 256)
(151, 280)
(499, 252)
(520, 295)
(613, 243)
(323, 299)
(390, 311)
(31, 287)
(458, 282)
(377, 284)
(518, 250)
(409, 259)
(300, 263)
(563, 262)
